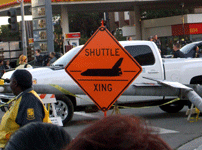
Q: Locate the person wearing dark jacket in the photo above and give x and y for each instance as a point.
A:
(7, 64)
(157, 41)
(2, 69)
(52, 58)
(27, 106)
(39, 57)
(177, 53)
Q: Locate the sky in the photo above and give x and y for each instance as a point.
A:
(4, 20)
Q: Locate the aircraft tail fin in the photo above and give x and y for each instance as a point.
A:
(118, 63)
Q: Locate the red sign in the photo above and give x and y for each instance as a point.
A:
(187, 29)
(31, 40)
(180, 29)
(195, 28)
(73, 35)
(103, 69)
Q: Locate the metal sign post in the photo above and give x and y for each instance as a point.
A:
(24, 36)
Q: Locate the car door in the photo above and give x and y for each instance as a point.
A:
(152, 67)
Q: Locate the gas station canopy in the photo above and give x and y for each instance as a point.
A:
(100, 5)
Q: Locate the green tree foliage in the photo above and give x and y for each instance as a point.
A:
(58, 41)
(6, 35)
(86, 23)
(151, 14)
(119, 35)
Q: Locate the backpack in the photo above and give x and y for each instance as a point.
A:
(25, 66)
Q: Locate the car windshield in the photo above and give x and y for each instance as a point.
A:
(185, 49)
(65, 59)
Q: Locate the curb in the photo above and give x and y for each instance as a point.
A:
(195, 144)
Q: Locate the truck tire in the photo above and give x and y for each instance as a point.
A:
(64, 108)
(172, 107)
(3, 109)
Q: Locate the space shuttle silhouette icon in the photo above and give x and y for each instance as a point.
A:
(109, 72)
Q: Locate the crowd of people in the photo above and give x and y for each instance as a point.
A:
(22, 62)
(44, 60)
(49, 59)
(4, 66)
(176, 48)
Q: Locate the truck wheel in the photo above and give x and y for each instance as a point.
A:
(64, 108)
(173, 107)
(3, 109)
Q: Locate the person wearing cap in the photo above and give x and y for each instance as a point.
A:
(23, 63)
(27, 106)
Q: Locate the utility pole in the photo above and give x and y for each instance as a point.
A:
(24, 36)
(183, 28)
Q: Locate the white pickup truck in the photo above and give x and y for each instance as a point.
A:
(185, 71)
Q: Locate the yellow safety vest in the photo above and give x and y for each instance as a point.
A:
(8, 124)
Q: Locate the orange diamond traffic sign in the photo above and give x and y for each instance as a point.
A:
(103, 69)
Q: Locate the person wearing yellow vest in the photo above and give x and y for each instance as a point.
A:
(28, 107)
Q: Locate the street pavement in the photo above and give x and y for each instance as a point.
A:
(195, 144)
(174, 129)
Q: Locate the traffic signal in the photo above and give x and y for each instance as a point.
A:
(12, 20)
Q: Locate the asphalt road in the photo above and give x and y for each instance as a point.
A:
(173, 128)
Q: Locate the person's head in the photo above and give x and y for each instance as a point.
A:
(22, 59)
(1, 62)
(155, 37)
(37, 52)
(7, 62)
(118, 132)
(197, 49)
(52, 54)
(20, 80)
(39, 136)
(130, 38)
(150, 38)
(176, 46)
